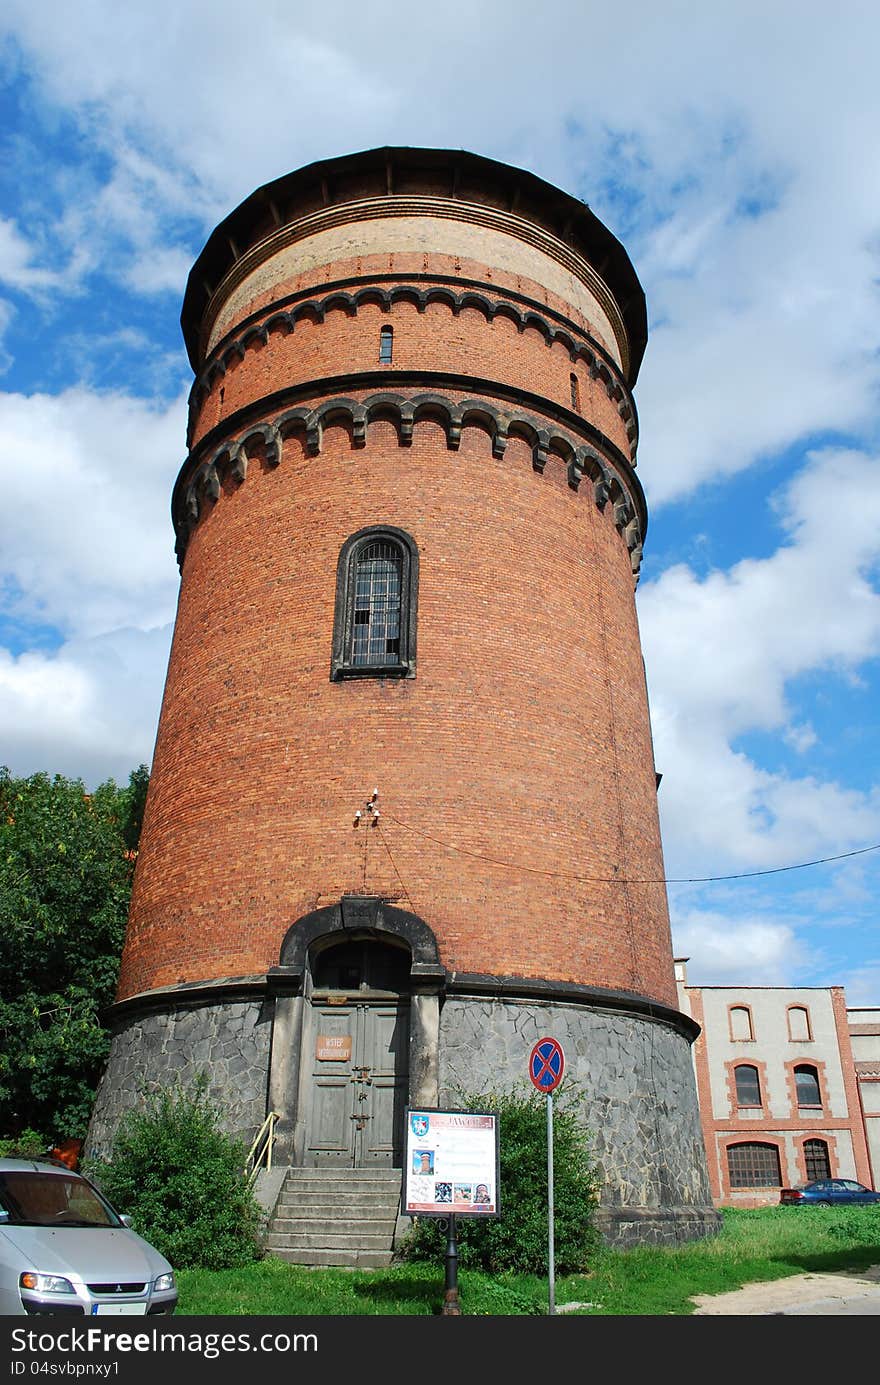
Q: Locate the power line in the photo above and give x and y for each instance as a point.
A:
(387, 847)
(629, 880)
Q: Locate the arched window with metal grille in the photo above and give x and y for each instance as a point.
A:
(753, 1164)
(816, 1161)
(376, 596)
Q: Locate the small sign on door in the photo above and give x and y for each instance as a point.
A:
(333, 1048)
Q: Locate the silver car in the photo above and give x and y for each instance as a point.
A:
(63, 1248)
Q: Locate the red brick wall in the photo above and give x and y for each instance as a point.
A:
(517, 759)
(851, 1084)
(432, 340)
(435, 339)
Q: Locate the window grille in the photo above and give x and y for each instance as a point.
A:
(748, 1085)
(575, 391)
(374, 633)
(376, 626)
(386, 345)
(363, 965)
(816, 1160)
(753, 1165)
(806, 1081)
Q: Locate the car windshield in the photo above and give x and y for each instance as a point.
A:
(32, 1198)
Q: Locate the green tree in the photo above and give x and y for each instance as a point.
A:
(66, 863)
(180, 1178)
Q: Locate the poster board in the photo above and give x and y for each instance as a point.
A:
(450, 1163)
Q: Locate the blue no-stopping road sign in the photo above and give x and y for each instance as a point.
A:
(546, 1065)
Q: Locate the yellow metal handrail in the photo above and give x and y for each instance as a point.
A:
(260, 1152)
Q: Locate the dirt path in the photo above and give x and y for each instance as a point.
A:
(852, 1294)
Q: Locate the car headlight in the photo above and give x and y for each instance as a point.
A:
(45, 1283)
(165, 1281)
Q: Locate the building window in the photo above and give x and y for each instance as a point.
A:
(386, 345)
(374, 633)
(753, 1166)
(816, 1161)
(799, 1024)
(748, 1085)
(363, 965)
(741, 1022)
(575, 391)
(806, 1082)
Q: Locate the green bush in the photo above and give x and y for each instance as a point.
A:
(180, 1178)
(855, 1225)
(30, 1144)
(518, 1239)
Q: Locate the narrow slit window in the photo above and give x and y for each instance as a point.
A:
(386, 345)
(575, 391)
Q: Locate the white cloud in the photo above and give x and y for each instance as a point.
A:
(756, 225)
(7, 313)
(721, 653)
(191, 103)
(87, 549)
(17, 269)
(800, 738)
(85, 532)
(862, 983)
(752, 951)
(159, 270)
(90, 710)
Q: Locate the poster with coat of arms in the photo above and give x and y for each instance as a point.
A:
(451, 1163)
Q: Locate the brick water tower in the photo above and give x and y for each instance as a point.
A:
(402, 816)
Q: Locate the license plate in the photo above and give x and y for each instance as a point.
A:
(119, 1309)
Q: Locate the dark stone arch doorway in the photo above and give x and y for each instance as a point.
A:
(356, 1068)
(355, 1036)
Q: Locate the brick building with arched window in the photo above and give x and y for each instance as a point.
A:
(788, 1081)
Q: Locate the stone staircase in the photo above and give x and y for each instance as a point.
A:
(345, 1217)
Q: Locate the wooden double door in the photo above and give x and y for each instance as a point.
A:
(358, 1064)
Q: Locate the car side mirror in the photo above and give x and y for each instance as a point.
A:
(126, 1220)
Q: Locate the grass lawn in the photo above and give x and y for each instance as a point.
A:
(752, 1246)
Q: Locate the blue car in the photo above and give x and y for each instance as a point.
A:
(828, 1192)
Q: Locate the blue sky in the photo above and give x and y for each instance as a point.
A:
(736, 152)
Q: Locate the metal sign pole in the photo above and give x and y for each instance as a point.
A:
(451, 1305)
(551, 1248)
(546, 1066)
